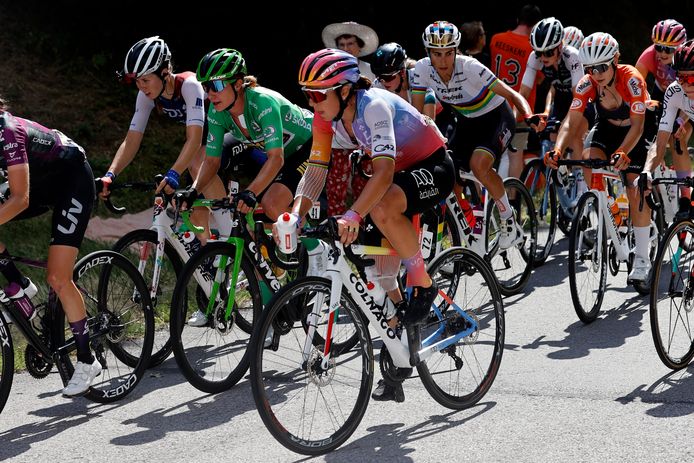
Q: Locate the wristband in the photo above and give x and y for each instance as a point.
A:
(680, 121)
(172, 177)
(110, 175)
(353, 216)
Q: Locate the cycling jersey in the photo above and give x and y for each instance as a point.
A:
(270, 120)
(470, 90)
(564, 78)
(384, 126)
(675, 100)
(630, 86)
(26, 142)
(509, 56)
(187, 105)
(664, 73)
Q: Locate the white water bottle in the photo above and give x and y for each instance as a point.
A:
(287, 225)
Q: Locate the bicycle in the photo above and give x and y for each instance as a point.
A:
(310, 407)
(121, 328)
(553, 194)
(213, 357)
(672, 286)
(512, 266)
(588, 243)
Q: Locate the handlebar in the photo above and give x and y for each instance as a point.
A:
(142, 186)
(588, 163)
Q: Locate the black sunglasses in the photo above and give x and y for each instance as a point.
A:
(546, 53)
(597, 69)
(664, 49)
(388, 77)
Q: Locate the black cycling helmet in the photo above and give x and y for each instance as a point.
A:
(388, 59)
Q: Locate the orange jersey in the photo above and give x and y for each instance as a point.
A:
(509, 56)
(629, 84)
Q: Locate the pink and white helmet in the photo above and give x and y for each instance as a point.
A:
(669, 33)
(573, 36)
(327, 68)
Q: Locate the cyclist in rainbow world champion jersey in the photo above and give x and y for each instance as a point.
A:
(258, 117)
(678, 97)
(46, 169)
(411, 169)
(624, 130)
(561, 66)
(667, 36)
(485, 122)
(180, 98)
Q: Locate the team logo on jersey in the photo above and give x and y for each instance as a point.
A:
(198, 102)
(635, 86)
(264, 113)
(423, 177)
(583, 86)
(637, 107)
(70, 215)
(576, 103)
(210, 138)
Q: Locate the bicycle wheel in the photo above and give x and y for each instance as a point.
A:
(545, 200)
(672, 296)
(512, 266)
(587, 265)
(310, 408)
(459, 375)
(6, 362)
(139, 247)
(120, 320)
(214, 357)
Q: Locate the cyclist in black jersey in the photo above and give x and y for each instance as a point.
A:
(45, 169)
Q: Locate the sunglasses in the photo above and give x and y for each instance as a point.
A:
(317, 95)
(596, 69)
(546, 53)
(685, 79)
(664, 49)
(126, 78)
(388, 77)
(214, 85)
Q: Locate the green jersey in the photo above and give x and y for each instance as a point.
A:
(270, 120)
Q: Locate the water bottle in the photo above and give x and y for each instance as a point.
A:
(16, 294)
(467, 210)
(378, 293)
(614, 209)
(287, 225)
(190, 242)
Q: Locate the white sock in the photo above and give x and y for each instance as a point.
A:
(504, 207)
(641, 238)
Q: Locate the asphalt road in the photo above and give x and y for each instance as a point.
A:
(565, 391)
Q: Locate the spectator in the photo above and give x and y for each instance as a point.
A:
(474, 40)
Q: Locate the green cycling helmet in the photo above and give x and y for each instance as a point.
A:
(223, 63)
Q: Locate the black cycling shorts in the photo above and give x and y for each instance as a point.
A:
(69, 191)
(609, 137)
(491, 132)
(426, 183)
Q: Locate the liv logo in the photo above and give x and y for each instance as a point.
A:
(75, 209)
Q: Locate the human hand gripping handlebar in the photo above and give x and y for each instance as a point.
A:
(142, 186)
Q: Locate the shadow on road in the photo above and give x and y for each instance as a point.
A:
(671, 395)
(391, 442)
(609, 331)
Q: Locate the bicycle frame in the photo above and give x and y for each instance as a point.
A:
(475, 242)
(621, 246)
(341, 276)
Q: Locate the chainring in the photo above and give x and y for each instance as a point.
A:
(36, 365)
(392, 375)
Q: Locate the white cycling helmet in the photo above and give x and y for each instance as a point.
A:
(573, 36)
(441, 34)
(146, 56)
(598, 48)
(547, 34)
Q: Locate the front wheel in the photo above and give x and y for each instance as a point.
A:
(121, 326)
(212, 352)
(309, 403)
(545, 200)
(458, 375)
(672, 296)
(587, 259)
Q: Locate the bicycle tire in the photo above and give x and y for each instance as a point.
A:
(123, 319)
(534, 178)
(192, 344)
(266, 395)
(580, 224)
(453, 265)
(162, 305)
(676, 352)
(6, 362)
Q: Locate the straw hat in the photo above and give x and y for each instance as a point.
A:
(368, 35)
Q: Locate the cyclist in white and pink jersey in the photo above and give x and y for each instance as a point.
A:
(667, 36)
(181, 98)
(476, 98)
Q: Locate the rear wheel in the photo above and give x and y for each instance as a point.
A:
(545, 200)
(6, 362)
